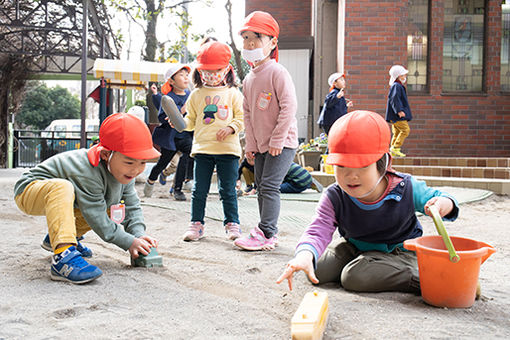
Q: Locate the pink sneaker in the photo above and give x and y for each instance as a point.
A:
(256, 241)
(195, 232)
(233, 230)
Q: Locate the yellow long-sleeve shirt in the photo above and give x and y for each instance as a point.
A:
(209, 110)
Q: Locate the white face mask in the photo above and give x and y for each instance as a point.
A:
(255, 55)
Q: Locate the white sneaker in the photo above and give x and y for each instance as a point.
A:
(148, 189)
(187, 185)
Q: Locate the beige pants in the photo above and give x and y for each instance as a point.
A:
(400, 131)
(54, 198)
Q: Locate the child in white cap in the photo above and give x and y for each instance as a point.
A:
(335, 104)
(398, 112)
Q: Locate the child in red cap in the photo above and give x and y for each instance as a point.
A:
(269, 106)
(215, 113)
(335, 104)
(373, 207)
(93, 189)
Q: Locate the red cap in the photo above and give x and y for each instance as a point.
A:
(358, 139)
(124, 133)
(213, 56)
(264, 23)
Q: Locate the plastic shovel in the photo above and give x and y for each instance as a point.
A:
(438, 221)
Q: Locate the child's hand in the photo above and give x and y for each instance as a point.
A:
(224, 133)
(443, 204)
(154, 89)
(401, 114)
(250, 156)
(238, 184)
(274, 151)
(303, 261)
(350, 103)
(142, 245)
(340, 93)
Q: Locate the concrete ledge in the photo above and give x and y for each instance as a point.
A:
(498, 186)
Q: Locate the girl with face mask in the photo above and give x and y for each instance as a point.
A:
(269, 107)
(214, 112)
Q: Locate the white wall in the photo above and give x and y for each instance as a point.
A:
(297, 62)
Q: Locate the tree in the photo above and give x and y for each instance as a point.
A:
(240, 65)
(146, 14)
(42, 105)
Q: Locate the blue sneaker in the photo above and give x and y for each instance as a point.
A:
(71, 267)
(162, 178)
(85, 251)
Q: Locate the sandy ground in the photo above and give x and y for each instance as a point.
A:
(210, 290)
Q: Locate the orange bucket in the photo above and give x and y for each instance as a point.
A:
(445, 283)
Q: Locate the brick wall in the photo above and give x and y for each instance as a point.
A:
(294, 17)
(443, 125)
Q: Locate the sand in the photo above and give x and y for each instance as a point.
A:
(210, 290)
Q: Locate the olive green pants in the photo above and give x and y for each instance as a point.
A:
(371, 271)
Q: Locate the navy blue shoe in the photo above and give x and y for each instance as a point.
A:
(85, 251)
(70, 266)
(162, 178)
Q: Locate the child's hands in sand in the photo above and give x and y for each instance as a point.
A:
(302, 261)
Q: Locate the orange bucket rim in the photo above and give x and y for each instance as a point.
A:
(464, 253)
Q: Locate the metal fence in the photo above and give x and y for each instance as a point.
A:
(31, 147)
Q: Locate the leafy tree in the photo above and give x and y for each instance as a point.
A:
(42, 105)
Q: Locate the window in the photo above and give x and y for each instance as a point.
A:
(505, 47)
(463, 45)
(417, 41)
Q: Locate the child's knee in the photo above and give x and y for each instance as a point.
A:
(62, 186)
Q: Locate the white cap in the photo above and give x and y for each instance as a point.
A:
(138, 112)
(332, 78)
(396, 71)
(173, 68)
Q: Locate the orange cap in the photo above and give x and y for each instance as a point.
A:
(264, 23)
(358, 139)
(124, 133)
(213, 56)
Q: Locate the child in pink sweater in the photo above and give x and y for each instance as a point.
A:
(269, 106)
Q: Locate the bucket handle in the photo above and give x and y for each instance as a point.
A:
(438, 221)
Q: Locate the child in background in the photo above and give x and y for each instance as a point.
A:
(298, 179)
(247, 170)
(93, 189)
(215, 113)
(169, 140)
(270, 106)
(335, 104)
(373, 208)
(398, 112)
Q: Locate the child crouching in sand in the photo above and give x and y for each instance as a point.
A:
(93, 189)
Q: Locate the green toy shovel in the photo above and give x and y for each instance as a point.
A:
(438, 221)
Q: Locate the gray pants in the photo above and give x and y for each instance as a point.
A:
(269, 174)
(371, 271)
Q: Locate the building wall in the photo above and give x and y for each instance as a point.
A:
(293, 17)
(443, 124)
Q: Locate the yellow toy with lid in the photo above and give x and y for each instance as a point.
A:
(309, 321)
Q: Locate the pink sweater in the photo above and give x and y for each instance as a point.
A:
(269, 107)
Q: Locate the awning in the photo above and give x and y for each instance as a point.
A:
(128, 74)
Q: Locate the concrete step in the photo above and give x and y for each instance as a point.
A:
(498, 186)
(454, 161)
(455, 171)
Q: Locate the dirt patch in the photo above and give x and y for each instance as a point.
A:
(208, 289)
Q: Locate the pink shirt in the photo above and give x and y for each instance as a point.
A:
(269, 107)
